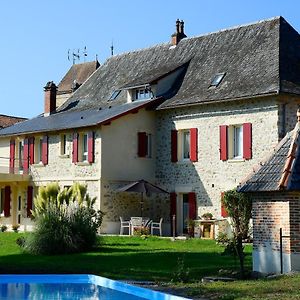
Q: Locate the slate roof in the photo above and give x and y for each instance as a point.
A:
(259, 59)
(281, 171)
(75, 119)
(6, 121)
(81, 72)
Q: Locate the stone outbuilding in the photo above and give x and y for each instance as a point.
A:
(274, 187)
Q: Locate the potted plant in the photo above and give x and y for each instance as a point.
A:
(207, 216)
(191, 227)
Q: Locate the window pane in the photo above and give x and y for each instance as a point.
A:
(85, 147)
(185, 211)
(40, 150)
(186, 144)
(238, 141)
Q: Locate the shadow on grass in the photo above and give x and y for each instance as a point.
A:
(134, 265)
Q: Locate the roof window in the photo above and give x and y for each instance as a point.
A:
(217, 79)
(115, 94)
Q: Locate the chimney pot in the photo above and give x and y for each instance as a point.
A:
(179, 34)
(50, 98)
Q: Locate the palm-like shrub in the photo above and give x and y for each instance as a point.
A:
(65, 221)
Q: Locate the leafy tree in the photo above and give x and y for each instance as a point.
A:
(238, 206)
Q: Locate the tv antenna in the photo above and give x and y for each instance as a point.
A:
(84, 53)
(75, 56)
(112, 48)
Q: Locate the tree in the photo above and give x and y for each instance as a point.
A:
(238, 206)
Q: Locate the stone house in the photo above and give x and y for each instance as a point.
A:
(274, 187)
(188, 115)
(73, 79)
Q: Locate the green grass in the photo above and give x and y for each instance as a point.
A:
(283, 288)
(131, 258)
(153, 259)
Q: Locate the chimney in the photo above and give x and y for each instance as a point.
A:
(179, 34)
(50, 98)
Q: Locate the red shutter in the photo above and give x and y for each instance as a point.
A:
(224, 212)
(174, 146)
(142, 144)
(26, 156)
(192, 205)
(247, 140)
(194, 144)
(31, 150)
(12, 156)
(75, 148)
(29, 200)
(91, 147)
(45, 150)
(7, 201)
(223, 142)
(173, 210)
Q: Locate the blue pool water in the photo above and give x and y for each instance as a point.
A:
(73, 287)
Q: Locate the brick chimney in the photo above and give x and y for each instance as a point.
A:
(179, 34)
(50, 98)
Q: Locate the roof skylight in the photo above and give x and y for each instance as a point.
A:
(115, 94)
(217, 79)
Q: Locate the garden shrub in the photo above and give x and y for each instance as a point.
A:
(65, 221)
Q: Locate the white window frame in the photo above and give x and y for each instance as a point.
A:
(142, 94)
(182, 133)
(38, 150)
(235, 141)
(63, 144)
(82, 151)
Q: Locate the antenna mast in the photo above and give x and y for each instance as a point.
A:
(112, 48)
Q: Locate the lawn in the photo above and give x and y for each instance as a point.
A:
(131, 258)
(153, 259)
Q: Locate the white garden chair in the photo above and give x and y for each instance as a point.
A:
(124, 224)
(157, 226)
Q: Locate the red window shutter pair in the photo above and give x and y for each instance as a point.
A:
(193, 145)
(192, 205)
(247, 141)
(173, 205)
(224, 212)
(91, 147)
(7, 201)
(29, 201)
(12, 156)
(142, 144)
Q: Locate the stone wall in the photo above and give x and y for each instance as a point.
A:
(61, 169)
(210, 176)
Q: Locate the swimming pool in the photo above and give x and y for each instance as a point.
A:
(73, 287)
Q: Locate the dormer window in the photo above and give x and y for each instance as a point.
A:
(143, 94)
(217, 79)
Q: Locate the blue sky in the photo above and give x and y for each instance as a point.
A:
(36, 35)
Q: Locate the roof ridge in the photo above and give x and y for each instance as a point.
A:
(195, 37)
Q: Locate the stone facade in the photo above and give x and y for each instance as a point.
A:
(210, 176)
(272, 211)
